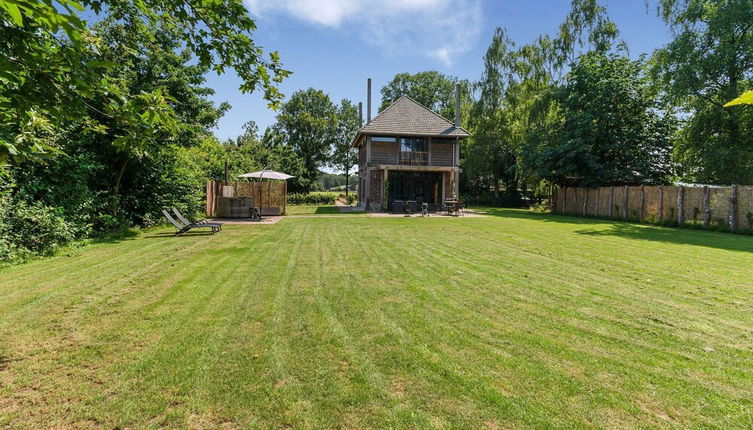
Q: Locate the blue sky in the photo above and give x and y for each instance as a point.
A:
(334, 45)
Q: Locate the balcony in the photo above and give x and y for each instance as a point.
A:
(414, 158)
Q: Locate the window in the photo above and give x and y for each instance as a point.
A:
(383, 139)
(443, 140)
(413, 144)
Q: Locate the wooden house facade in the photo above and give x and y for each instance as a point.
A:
(409, 153)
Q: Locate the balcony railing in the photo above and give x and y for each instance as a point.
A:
(414, 158)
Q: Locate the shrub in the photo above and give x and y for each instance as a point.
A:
(505, 200)
(312, 199)
(30, 229)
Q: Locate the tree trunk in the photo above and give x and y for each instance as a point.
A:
(116, 189)
(346, 185)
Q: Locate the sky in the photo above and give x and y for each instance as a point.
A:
(335, 45)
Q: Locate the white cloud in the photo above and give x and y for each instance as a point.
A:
(438, 29)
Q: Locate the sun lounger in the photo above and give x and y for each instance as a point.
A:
(183, 228)
(185, 221)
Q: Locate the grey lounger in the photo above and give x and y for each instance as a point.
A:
(183, 228)
(185, 221)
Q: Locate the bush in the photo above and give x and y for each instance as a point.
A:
(312, 199)
(30, 229)
(505, 200)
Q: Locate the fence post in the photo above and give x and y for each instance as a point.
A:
(661, 203)
(680, 205)
(563, 209)
(611, 202)
(733, 209)
(643, 203)
(552, 199)
(208, 206)
(625, 204)
(575, 201)
(706, 207)
(585, 202)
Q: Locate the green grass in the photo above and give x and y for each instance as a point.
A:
(515, 320)
(317, 210)
(312, 210)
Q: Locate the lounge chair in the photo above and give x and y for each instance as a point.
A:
(181, 228)
(185, 221)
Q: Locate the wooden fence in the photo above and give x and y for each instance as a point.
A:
(707, 206)
(269, 196)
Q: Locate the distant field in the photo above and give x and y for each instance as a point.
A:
(507, 321)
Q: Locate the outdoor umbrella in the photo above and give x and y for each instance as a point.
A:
(267, 174)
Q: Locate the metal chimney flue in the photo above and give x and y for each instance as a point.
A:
(457, 105)
(368, 100)
(360, 114)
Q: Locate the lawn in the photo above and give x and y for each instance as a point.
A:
(316, 210)
(513, 320)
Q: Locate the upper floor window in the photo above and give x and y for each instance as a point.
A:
(390, 139)
(413, 144)
(442, 140)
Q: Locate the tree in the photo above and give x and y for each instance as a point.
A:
(490, 155)
(613, 130)
(52, 72)
(517, 112)
(307, 124)
(119, 166)
(708, 63)
(430, 88)
(344, 156)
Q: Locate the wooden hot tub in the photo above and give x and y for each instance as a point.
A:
(234, 207)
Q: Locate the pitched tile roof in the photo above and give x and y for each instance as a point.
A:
(408, 117)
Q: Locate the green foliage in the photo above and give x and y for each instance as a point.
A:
(330, 181)
(54, 68)
(490, 155)
(143, 148)
(29, 229)
(312, 198)
(709, 62)
(517, 111)
(613, 128)
(306, 127)
(506, 199)
(431, 88)
(344, 156)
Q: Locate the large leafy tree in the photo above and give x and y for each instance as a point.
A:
(51, 70)
(490, 155)
(308, 125)
(613, 129)
(344, 157)
(708, 63)
(127, 170)
(432, 89)
(517, 111)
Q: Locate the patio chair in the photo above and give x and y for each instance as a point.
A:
(183, 228)
(185, 221)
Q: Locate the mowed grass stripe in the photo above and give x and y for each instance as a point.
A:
(516, 320)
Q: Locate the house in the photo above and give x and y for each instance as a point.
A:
(411, 153)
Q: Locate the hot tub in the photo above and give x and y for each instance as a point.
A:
(234, 207)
